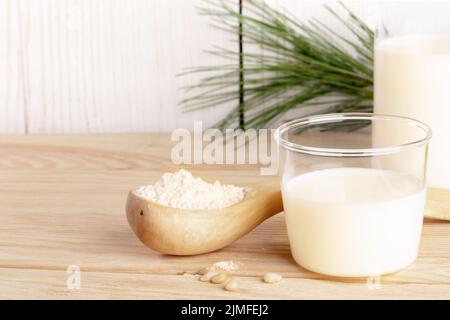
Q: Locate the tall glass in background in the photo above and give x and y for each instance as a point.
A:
(412, 78)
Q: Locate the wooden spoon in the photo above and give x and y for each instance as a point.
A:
(187, 232)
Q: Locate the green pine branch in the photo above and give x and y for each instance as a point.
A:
(298, 65)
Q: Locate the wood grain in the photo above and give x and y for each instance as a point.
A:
(62, 202)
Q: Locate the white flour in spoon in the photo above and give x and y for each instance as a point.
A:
(182, 190)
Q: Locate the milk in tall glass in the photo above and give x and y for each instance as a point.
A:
(412, 78)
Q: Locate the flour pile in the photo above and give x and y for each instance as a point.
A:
(182, 190)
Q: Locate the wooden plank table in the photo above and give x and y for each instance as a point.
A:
(62, 203)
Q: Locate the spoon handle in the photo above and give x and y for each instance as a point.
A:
(267, 200)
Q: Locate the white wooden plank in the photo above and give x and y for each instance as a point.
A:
(111, 65)
(13, 67)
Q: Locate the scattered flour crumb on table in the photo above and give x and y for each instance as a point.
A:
(181, 190)
(227, 265)
(191, 275)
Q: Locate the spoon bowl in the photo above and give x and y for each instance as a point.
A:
(188, 232)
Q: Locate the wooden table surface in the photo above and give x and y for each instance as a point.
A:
(62, 204)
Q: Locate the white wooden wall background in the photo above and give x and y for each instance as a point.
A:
(69, 66)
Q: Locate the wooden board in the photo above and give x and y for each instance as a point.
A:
(62, 203)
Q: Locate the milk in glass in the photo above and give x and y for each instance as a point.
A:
(354, 221)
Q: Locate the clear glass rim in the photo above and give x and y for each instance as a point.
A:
(346, 152)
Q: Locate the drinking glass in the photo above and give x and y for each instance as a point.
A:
(353, 188)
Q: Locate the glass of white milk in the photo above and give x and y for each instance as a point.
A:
(354, 200)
